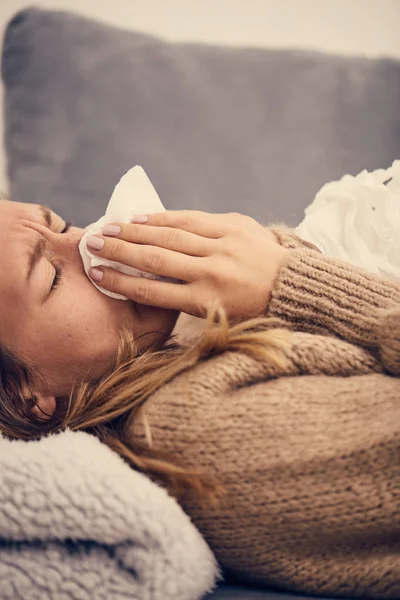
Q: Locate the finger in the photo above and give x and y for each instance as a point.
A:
(147, 291)
(194, 221)
(169, 238)
(150, 259)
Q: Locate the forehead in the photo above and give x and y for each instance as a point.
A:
(15, 242)
(16, 237)
(15, 211)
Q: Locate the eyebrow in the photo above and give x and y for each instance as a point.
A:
(40, 246)
(35, 257)
(46, 213)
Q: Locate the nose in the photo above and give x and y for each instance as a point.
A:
(73, 235)
(65, 245)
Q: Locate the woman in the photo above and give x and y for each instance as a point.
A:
(276, 428)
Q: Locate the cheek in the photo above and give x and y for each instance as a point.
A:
(91, 326)
(76, 333)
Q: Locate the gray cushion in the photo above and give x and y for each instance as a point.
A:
(218, 129)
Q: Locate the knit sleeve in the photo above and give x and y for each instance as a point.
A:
(286, 237)
(318, 294)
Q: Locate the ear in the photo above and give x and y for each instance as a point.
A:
(45, 406)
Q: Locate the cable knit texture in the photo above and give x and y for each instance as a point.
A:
(310, 452)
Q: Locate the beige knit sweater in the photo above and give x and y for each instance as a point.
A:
(310, 455)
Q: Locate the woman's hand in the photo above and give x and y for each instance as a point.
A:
(228, 259)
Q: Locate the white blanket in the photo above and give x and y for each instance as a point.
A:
(76, 522)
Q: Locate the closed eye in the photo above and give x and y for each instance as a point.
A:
(58, 270)
(67, 226)
(57, 277)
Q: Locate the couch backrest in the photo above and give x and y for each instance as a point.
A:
(217, 129)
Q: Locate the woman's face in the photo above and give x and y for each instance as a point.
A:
(70, 331)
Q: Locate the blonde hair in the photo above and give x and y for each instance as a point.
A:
(107, 406)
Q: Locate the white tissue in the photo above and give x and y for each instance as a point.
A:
(134, 194)
(357, 219)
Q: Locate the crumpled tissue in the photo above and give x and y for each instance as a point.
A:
(357, 219)
(134, 194)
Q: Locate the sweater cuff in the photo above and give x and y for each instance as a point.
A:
(286, 237)
(317, 294)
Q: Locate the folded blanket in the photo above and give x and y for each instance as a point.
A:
(76, 522)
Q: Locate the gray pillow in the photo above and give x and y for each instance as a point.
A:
(216, 129)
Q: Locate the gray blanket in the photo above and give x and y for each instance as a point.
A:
(77, 522)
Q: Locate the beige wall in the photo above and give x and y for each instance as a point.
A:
(364, 27)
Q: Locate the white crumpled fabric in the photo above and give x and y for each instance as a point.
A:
(357, 219)
(134, 194)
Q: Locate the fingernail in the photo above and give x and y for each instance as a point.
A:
(111, 229)
(140, 219)
(96, 274)
(95, 242)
